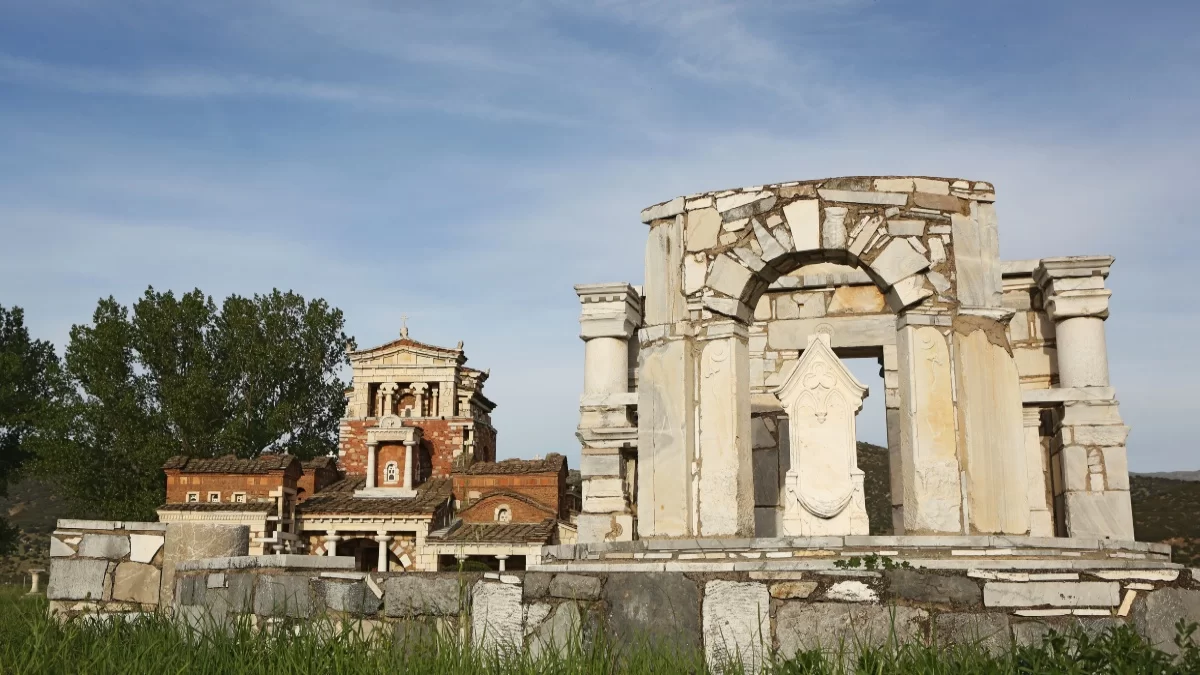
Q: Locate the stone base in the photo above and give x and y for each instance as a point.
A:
(816, 553)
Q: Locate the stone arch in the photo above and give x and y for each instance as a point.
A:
(929, 244)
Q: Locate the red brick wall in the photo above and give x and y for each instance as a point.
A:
(255, 486)
(485, 443)
(315, 480)
(544, 488)
(441, 443)
(389, 452)
(352, 445)
(484, 510)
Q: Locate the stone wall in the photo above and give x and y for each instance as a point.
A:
(105, 566)
(746, 614)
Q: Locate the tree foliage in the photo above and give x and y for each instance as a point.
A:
(178, 375)
(31, 392)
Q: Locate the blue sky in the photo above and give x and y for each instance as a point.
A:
(466, 163)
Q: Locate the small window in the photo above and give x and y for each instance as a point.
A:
(391, 472)
(239, 498)
(503, 514)
(193, 496)
(214, 497)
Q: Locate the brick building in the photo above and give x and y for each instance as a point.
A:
(415, 485)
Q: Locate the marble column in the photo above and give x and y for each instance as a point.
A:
(501, 559)
(408, 464)
(372, 449)
(419, 389)
(388, 389)
(383, 540)
(331, 539)
(1094, 464)
(610, 314)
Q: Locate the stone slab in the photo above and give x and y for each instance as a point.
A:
(737, 624)
(136, 582)
(76, 579)
(1155, 616)
(194, 541)
(934, 588)
(830, 626)
(556, 633)
(421, 595)
(282, 595)
(1052, 594)
(143, 547)
(989, 630)
(575, 587)
(110, 546)
(656, 607)
(497, 616)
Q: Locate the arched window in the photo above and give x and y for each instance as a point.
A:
(503, 514)
(391, 473)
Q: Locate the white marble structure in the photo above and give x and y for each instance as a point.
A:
(822, 486)
(1000, 416)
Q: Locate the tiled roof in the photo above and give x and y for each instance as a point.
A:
(499, 533)
(552, 464)
(320, 463)
(339, 498)
(405, 342)
(265, 463)
(249, 507)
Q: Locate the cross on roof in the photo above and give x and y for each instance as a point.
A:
(404, 325)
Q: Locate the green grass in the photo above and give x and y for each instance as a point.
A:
(32, 642)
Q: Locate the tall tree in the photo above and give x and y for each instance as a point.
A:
(178, 376)
(31, 391)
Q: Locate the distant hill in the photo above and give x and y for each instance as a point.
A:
(1173, 475)
(1166, 508)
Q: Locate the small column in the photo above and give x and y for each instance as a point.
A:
(1041, 514)
(501, 559)
(36, 580)
(371, 451)
(331, 539)
(1077, 302)
(388, 389)
(1089, 429)
(610, 314)
(418, 389)
(408, 464)
(383, 540)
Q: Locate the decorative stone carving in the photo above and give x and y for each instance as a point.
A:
(824, 486)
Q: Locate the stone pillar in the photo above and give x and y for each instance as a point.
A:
(331, 539)
(931, 491)
(725, 484)
(448, 397)
(1041, 512)
(371, 452)
(35, 581)
(419, 389)
(666, 433)
(610, 314)
(408, 464)
(383, 540)
(890, 366)
(387, 390)
(990, 429)
(1092, 462)
(501, 559)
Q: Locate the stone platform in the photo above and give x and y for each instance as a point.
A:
(824, 553)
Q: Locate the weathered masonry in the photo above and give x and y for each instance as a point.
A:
(1000, 415)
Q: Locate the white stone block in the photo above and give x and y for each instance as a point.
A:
(143, 547)
(851, 591)
(60, 550)
(906, 228)
(894, 184)
(771, 248)
(859, 197)
(908, 292)
(703, 226)
(933, 187)
(745, 204)
(1144, 575)
(664, 210)
(897, 261)
(833, 232)
(600, 465)
(804, 219)
(1053, 594)
(937, 250)
(736, 623)
(728, 276)
(497, 617)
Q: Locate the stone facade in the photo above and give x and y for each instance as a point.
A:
(1000, 416)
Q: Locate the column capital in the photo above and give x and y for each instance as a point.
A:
(609, 310)
(1074, 286)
